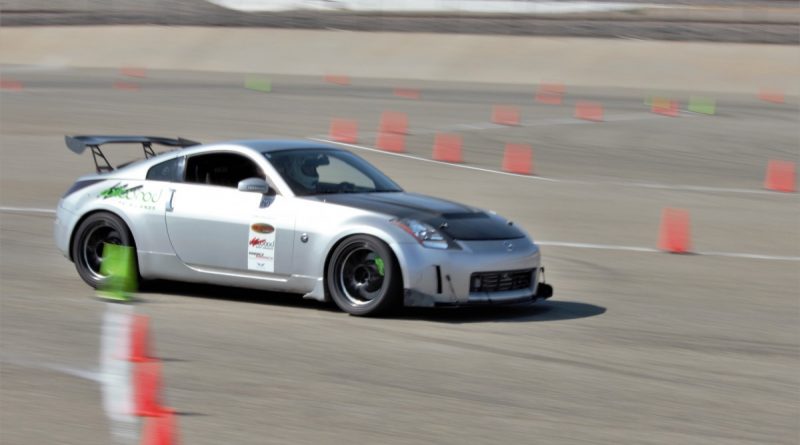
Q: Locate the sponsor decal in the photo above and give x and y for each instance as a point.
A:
(261, 247)
(262, 228)
(118, 191)
(261, 243)
(135, 197)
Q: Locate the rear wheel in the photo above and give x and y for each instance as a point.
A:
(363, 276)
(91, 236)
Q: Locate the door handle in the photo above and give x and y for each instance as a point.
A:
(169, 207)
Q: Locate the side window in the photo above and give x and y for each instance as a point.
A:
(221, 169)
(170, 171)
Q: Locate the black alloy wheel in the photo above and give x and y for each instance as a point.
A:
(90, 238)
(363, 276)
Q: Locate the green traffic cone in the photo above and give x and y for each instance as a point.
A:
(255, 83)
(702, 105)
(119, 267)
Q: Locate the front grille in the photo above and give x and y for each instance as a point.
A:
(500, 281)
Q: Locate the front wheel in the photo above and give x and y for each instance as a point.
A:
(90, 238)
(363, 276)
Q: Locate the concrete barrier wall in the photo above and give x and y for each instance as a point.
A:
(689, 66)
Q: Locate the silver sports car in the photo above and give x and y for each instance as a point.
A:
(291, 216)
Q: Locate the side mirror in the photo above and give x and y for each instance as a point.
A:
(257, 185)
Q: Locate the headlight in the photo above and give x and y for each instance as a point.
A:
(425, 234)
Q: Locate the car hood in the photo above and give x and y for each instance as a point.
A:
(463, 222)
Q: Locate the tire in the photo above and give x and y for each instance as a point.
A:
(356, 281)
(92, 233)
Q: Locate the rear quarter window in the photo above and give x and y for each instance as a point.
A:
(169, 171)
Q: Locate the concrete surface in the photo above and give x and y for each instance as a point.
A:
(685, 66)
(635, 347)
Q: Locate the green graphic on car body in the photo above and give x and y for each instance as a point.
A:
(118, 191)
(132, 196)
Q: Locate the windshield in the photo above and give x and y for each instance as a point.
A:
(318, 171)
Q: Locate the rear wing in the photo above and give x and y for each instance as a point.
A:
(79, 144)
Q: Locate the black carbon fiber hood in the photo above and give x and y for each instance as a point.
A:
(462, 222)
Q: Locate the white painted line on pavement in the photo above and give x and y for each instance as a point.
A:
(26, 210)
(751, 256)
(596, 246)
(538, 123)
(480, 126)
(689, 188)
(74, 372)
(88, 375)
(417, 158)
(5, 69)
(677, 187)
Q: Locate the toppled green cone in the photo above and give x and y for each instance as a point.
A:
(702, 105)
(119, 265)
(255, 83)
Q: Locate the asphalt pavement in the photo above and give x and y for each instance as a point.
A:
(636, 346)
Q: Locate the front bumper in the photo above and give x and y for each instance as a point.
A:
(413, 298)
(65, 220)
(445, 277)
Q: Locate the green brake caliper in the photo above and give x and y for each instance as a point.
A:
(379, 264)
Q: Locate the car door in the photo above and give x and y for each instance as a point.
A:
(214, 227)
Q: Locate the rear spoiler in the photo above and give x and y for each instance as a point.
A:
(79, 144)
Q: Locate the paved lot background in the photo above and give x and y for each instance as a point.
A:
(657, 67)
(635, 347)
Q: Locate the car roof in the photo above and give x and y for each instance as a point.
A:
(256, 145)
(270, 145)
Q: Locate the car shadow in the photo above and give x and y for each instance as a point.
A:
(550, 310)
(237, 294)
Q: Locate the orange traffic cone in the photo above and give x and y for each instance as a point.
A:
(407, 93)
(774, 96)
(505, 115)
(393, 142)
(161, 430)
(147, 389)
(337, 79)
(394, 122)
(665, 107)
(780, 176)
(139, 339)
(447, 148)
(344, 130)
(550, 94)
(590, 111)
(674, 236)
(518, 158)
(131, 71)
(126, 86)
(10, 85)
